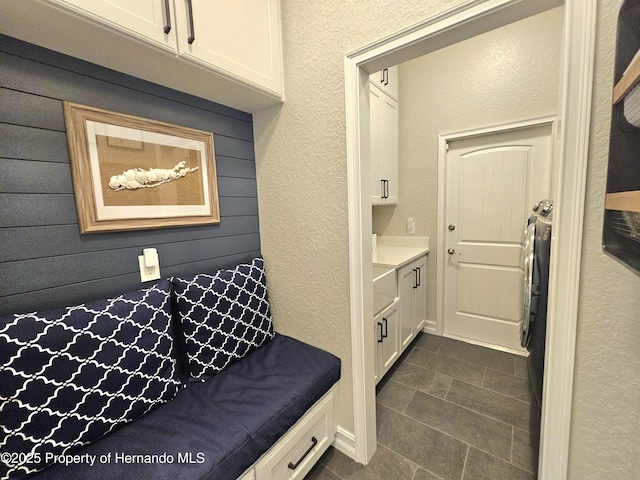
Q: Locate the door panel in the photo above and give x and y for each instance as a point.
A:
(492, 182)
(490, 291)
(494, 186)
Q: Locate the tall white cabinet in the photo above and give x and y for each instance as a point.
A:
(383, 117)
(227, 51)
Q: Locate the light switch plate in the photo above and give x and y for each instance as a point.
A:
(148, 273)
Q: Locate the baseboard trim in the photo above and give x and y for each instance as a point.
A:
(430, 327)
(345, 442)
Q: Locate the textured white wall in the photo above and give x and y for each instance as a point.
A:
(300, 150)
(502, 76)
(302, 172)
(605, 436)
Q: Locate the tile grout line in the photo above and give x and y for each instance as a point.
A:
(437, 429)
(460, 380)
(464, 465)
(513, 439)
(447, 357)
(445, 399)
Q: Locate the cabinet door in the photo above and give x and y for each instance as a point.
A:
(374, 125)
(383, 118)
(420, 295)
(406, 286)
(238, 37)
(386, 80)
(150, 20)
(388, 148)
(379, 339)
(390, 347)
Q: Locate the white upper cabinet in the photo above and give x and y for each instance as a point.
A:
(227, 51)
(387, 81)
(235, 36)
(383, 117)
(150, 20)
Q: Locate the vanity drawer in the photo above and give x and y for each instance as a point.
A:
(299, 449)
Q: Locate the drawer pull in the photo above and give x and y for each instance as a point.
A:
(314, 442)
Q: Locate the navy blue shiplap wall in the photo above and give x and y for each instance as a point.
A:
(44, 261)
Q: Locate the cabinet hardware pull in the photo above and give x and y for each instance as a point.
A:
(167, 12)
(418, 277)
(382, 186)
(385, 76)
(314, 442)
(415, 278)
(192, 32)
(385, 188)
(386, 328)
(381, 336)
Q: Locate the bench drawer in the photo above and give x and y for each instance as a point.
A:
(299, 449)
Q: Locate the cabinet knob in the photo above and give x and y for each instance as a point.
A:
(452, 227)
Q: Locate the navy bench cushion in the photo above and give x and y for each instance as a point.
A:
(222, 425)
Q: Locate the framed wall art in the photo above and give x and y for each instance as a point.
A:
(131, 173)
(621, 229)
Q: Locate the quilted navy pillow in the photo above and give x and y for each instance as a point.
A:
(223, 316)
(69, 376)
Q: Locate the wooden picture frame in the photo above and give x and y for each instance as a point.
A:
(132, 173)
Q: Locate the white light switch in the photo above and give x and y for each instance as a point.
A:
(149, 265)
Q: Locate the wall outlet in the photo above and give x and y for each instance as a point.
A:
(149, 265)
(411, 226)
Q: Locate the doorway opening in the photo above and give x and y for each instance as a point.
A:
(459, 23)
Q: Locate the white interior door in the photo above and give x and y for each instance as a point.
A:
(492, 182)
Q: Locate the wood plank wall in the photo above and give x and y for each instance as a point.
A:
(44, 261)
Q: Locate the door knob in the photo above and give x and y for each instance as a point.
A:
(452, 251)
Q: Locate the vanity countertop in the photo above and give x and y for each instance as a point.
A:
(395, 252)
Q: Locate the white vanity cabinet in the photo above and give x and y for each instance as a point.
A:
(413, 296)
(227, 51)
(383, 116)
(386, 334)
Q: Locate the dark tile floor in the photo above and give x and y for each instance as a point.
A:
(447, 410)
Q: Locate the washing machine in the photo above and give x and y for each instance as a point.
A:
(533, 329)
